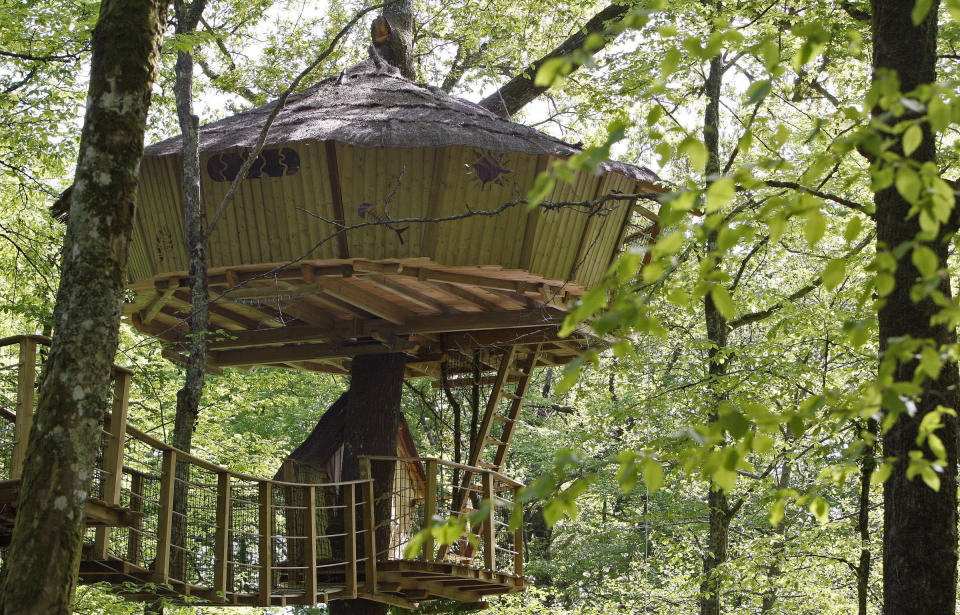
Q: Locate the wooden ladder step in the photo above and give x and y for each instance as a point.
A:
(503, 419)
(495, 441)
(489, 466)
(510, 395)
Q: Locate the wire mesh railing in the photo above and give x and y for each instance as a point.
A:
(184, 526)
(428, 493)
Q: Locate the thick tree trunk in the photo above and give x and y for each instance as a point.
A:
(868, 464)
(373, 407)
(920, 524)
(47, 539)
(716, 325)
(393, 36)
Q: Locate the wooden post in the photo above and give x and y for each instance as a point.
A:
(518, 538)
(26, 378)
(221, 551)
(266, 542)
(116, 429)
(430, 508)
(350, 529)
(136, 506)
(168, 475)
(489, 529)
(310, 578)
(369, 535)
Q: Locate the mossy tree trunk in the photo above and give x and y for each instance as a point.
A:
(920, 524)
(47, 539)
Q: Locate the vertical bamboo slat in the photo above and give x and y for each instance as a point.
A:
(430, 508)
(165, 515)
(517, 539)
(489, 529)
(26, 378)
(310, 578)
(350, 528)
(266, 542)
(221, 551)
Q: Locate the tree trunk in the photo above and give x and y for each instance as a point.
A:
(373, 405)
(716, 325)
(868, 464)
(393, 36)
(920, 524)
(48, 535)
(774, 571)
(188, 397)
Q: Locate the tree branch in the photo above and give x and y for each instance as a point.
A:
(860, 207)
(520, 90)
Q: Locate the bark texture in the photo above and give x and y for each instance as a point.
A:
(373, 408)
(188, 397)
(520, 90)
(920, 525)
(45, 551)
(393, 36)
(716, 325)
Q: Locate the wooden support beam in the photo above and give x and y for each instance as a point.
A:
(165, 516)
(304, 352)
(430, 508)
(116, 428)
(26, 381)
(156, 303)
(367, 301)
(350, 546)
(310, 578)
(221, 549)
(489, 528)
(470, 296)
(369, 534)
(517, 539)
(406, 292)
(265, 547)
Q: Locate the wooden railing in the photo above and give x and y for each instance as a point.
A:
(426, 489)
(182, 526)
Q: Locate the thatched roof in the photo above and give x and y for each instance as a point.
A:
(372, 105)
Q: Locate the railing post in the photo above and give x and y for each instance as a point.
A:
(488, 529)
(370, 533)
(266, 542)
(518, 538)
(26, 379)
(350, 529)
(165, 520)
(310, 578)
(136, 506)
(116, 429)
(221, 551)
(430, 509)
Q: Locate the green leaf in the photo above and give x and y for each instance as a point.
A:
(881, 474)
(678, 297)
(908, 183)
(930, 362)
(938, 114)
(695, 150)
(550, 71)
(757, 91)
(671, 59)
(925, 260)
(833, 273)
(912, 139)
(652, 474)
(920, 10)
(853, 229)
(719, 194)
(930, 477)
(820, 509)
(552, 512)
(815, 227)
(541, 188)
(722, 301)
(777, 511)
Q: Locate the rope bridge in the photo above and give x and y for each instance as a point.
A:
(162, 523)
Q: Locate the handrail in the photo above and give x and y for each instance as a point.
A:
(449, 464)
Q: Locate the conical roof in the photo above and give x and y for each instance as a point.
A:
(371, 105)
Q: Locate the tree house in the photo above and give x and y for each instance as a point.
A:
(383, 226)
